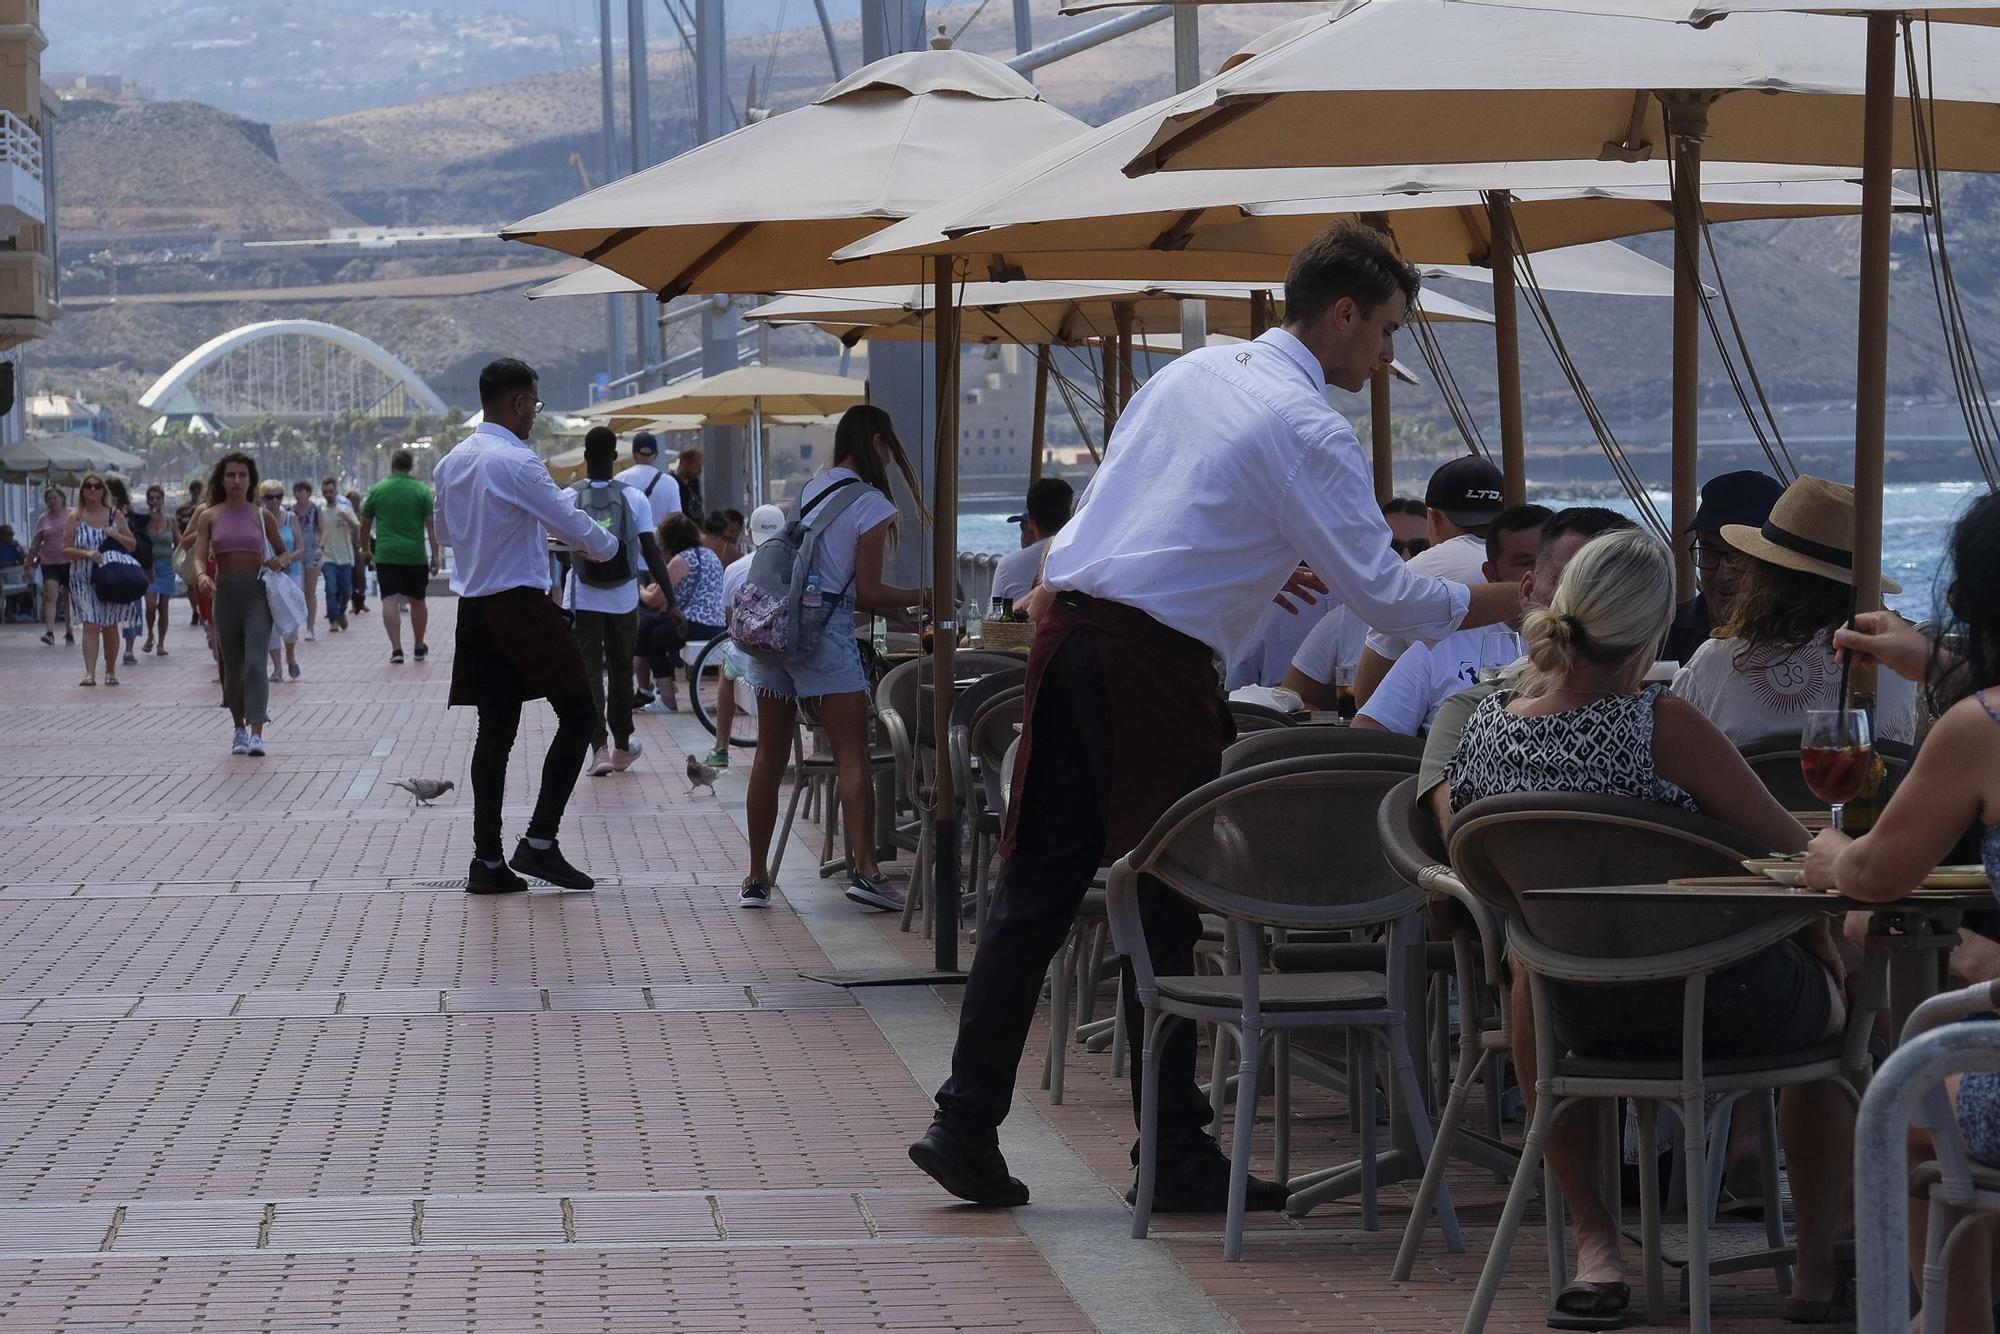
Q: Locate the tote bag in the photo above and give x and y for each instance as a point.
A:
(287, 600)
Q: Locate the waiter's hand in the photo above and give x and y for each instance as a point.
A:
(1036, 603)
(1301, 587)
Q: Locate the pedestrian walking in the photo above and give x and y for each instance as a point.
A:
(399, 530)
(161, 532)
(283, 648)
(48, 562)
(183, 525)
(603, 598)
(96, 535)
(1165, 568)
(236, 540)
(362, 557)
(306, 518)
(849, 508)
(141, 553)
(497, 507)
(340, 526)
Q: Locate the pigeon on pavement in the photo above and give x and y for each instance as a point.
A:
(701, 775)
(425, 790)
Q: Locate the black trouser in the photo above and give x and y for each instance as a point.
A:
(1059, 845)
(661, 639)
(499, 723)
(606, 639)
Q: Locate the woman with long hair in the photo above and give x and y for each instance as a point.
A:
(142, 555)
(1582, 719)
(47, 559)
(1953, 785)
(284, 649)
(160, 592)
(696, 574)
(850, 505)
(95, 530)
(241, 539)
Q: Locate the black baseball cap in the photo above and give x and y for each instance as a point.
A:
(1736, 498)
(1467, 490)
(1049, 504)
(645, 443)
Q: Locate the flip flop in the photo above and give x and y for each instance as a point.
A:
(1586, 1305)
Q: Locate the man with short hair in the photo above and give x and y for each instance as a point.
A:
(396, 519)
(1050, 501)
(644, 475)
(339, 527)
(1429, 674)
(1461, 500)
(687, 476)
(1167, 565)
(1744, 497)
(497, 507)
(310, 525)
(604, 599)
(1409, 525)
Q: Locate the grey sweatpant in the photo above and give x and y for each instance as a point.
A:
(242, 634)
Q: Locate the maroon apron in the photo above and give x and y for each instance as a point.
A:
(1169, 719)
(514, 645)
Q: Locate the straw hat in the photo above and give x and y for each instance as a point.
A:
(1811, 529)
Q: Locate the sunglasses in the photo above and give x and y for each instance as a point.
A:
(91, 486)
(1410, 548)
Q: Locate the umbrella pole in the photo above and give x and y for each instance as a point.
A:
(757, 452)
(1687, 124)
(1124, 317)
(1038, 431)
(1871, 372)
(1260, 312)
(1378, 432)
(1107, 385)
(944, 617)
(1507, 345)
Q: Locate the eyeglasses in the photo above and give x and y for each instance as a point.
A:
(91, 486)
(1410, 548)
(1708, 556)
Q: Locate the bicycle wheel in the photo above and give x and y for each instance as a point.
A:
(706, 682)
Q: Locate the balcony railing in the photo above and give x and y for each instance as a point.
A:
(23, 196)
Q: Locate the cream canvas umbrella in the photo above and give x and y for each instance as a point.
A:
(62, 458)
(760, 209)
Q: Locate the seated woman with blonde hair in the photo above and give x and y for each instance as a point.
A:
(1581, 719)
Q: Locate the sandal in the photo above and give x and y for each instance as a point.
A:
(110, 679)
(1586, 1305)
(88, 681)
(1835, 1310)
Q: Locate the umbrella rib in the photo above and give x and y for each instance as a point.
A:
(610, 243)
(1218, 119)
(707, 260)
(1179, 232)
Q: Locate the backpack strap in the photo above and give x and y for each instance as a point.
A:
(657, 475)
(819, 499)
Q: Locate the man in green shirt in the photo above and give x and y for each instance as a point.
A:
(398, 525)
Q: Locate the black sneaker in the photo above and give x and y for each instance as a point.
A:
(548, 864)
(756, 894)
(1197, 1182)
(642, 698)
(483, 879)
(395, 657)
(970, 1167)
(423, 651)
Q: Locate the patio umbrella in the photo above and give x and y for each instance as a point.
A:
(62, 458)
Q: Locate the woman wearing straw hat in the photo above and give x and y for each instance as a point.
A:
(1772, 661)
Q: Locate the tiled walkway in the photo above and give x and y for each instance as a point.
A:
(264, 1067)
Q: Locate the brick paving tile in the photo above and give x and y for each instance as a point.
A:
(264, 1068)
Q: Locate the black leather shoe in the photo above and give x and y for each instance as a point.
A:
(483, 879)
(548, 864)
(972, 1169)
(1197, 1182)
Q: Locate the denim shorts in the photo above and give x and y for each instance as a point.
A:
(833, 668)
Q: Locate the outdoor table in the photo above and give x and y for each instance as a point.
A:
(1912, 936)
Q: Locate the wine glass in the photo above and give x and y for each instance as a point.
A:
(1836, 754)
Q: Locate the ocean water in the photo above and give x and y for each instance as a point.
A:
(1916, 522)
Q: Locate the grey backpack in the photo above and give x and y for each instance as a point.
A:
(605, 506)
(768, 618)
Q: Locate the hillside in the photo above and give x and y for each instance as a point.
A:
(156, 165)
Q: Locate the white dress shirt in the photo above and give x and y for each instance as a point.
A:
(1228, 468)
(496, 507)
(1429, 674)
(1461, 558)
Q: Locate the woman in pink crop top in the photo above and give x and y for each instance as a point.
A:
(241, 538)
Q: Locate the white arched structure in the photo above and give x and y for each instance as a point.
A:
(172, 395)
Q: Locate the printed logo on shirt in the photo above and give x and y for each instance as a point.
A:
(1243, 358)
(1786, 680)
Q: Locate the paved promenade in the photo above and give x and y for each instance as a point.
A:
(263, 1066)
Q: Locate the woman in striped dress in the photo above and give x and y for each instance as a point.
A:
(95, 529)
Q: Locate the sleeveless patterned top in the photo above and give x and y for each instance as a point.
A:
(1605, 746)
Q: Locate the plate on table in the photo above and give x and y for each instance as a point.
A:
(1956, 877)
(1787, 871)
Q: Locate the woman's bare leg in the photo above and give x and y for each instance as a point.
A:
(845, 718)
(777, 717)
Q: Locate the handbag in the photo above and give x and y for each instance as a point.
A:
(286, 599)
(115, 577)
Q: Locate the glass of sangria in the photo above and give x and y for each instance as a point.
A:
(1836, 754)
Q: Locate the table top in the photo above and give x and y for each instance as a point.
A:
(1757, 892)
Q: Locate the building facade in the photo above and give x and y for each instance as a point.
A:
(30, 301)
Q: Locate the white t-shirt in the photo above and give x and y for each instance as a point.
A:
(1766, 690)
(1275, 643)
(579, 596)
(640, 476)
(1332, 647)
(732, 579)
(1425, 677)
(1461, 559)
(1014, 573)
(833, 556)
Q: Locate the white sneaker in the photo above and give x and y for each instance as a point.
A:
(256, 745)
(621, 760)
(241, 744)
(310, 636)
(600, 763)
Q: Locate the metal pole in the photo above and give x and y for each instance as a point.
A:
(638, 76)
(1024, 31)
(1038, 431)
(1107, 385)
(1379, 435)
(1089, 37)
(725, 469)
(1507, 345)
(1871, 372)
(832, 47)
(944, 612)
(614, 332)
(1687, 125)
(1187, 73)
(1125, 379)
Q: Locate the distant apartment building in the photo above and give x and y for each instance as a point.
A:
(55, 414)
(29, 298)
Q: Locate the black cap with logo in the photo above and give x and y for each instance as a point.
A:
(1467, 490)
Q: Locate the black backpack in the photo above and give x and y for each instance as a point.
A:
(606, 507)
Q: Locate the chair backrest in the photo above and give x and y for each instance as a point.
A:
(967, 704)
(1257, 717)
(1775, 760)
(1288, 844)
(898, 690)
(1408, 828)
(1284, 743)
(991, 735)
(1501, 846)
(1003, 777)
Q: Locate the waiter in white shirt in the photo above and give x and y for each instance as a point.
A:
(1227, 470)
(497, 507)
